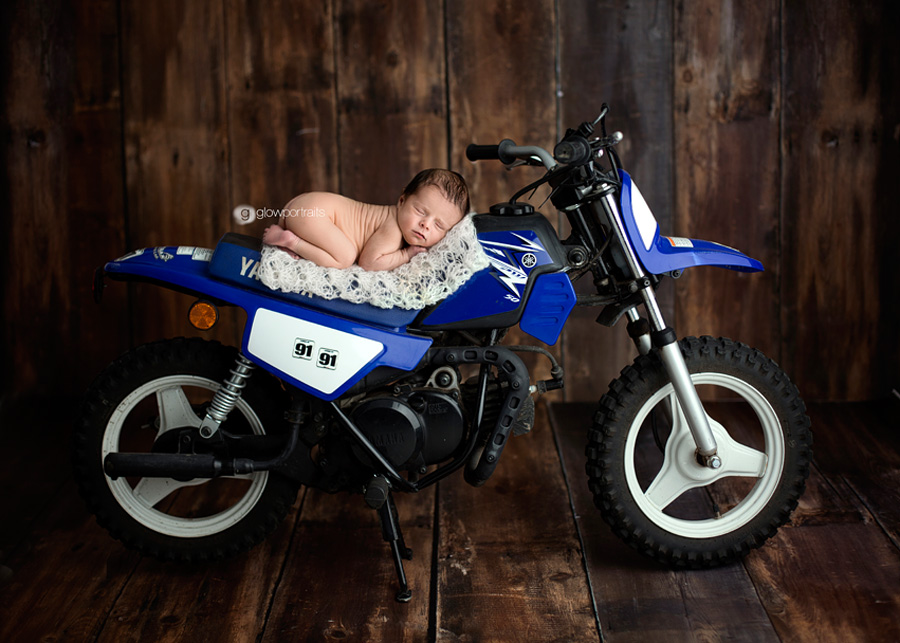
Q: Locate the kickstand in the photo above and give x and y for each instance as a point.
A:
(390, 530)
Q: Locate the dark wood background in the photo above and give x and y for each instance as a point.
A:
(771, 126)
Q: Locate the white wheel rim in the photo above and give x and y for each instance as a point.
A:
(139, 501)
(680, 471)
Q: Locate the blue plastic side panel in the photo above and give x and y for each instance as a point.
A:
(552, 299)
(675, 253)
(189, 268)
(481, 295)
(500, 288)
(398, 349)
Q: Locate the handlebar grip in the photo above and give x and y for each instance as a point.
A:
(483, 152)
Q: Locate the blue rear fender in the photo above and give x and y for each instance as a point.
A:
(181, 268)
(660, 254)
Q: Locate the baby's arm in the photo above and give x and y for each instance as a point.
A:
(383, 250)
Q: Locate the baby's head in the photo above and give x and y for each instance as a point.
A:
(433, 202)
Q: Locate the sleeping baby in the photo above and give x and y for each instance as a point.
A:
(336, 232)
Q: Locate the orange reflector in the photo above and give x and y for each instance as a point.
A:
(203, 315)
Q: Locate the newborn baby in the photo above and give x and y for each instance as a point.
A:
(336, 232)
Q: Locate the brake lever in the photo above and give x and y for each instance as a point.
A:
(533, 161)
(608, 141)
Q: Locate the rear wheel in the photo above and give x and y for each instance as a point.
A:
(642, 465)
(147, 401)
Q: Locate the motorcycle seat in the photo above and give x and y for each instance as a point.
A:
(236, 261)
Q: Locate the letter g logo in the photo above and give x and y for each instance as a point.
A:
(243, 214)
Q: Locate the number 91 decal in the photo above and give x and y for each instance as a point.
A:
(327, 358)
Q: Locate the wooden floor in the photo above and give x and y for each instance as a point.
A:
(525, 558)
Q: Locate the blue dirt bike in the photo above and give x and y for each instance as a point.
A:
(349, 397)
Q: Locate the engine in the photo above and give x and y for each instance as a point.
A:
(414, 423)
(413, 429)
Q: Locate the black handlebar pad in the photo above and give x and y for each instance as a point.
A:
(483, 152)
(492, 152)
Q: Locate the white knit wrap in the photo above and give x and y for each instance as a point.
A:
(426, 279)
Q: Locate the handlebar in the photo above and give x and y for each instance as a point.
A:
(575, 150)
(572, 163)
(507, 152)
(483, 152)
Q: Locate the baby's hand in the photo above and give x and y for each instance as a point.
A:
(414, 250)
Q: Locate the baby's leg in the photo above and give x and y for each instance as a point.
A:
(316, 238)
(275, 235)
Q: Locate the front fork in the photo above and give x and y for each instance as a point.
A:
(666, 341)
(664, 338)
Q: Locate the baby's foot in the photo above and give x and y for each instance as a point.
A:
(275, 235)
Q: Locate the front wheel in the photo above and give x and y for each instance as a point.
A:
(644, 473)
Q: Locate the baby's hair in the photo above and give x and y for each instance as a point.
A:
(450, 183)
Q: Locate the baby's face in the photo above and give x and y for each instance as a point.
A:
(426, 215)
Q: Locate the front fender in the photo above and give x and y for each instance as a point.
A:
(660, 254)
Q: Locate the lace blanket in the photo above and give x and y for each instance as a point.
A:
(426, 279)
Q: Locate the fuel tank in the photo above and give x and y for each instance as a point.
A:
(525, 282)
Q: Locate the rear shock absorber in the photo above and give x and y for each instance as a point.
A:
(226, 397)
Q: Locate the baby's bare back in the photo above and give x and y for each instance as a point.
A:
(357, 220)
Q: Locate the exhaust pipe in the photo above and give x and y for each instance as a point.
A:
(185, 466)
(175, 465)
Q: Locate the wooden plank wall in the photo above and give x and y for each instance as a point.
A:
(841, 149)
(619, 53)
(770, 127)
(61, 193)
(726, 113)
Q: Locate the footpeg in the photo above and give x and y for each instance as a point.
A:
(525, 422)
(377, 492)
